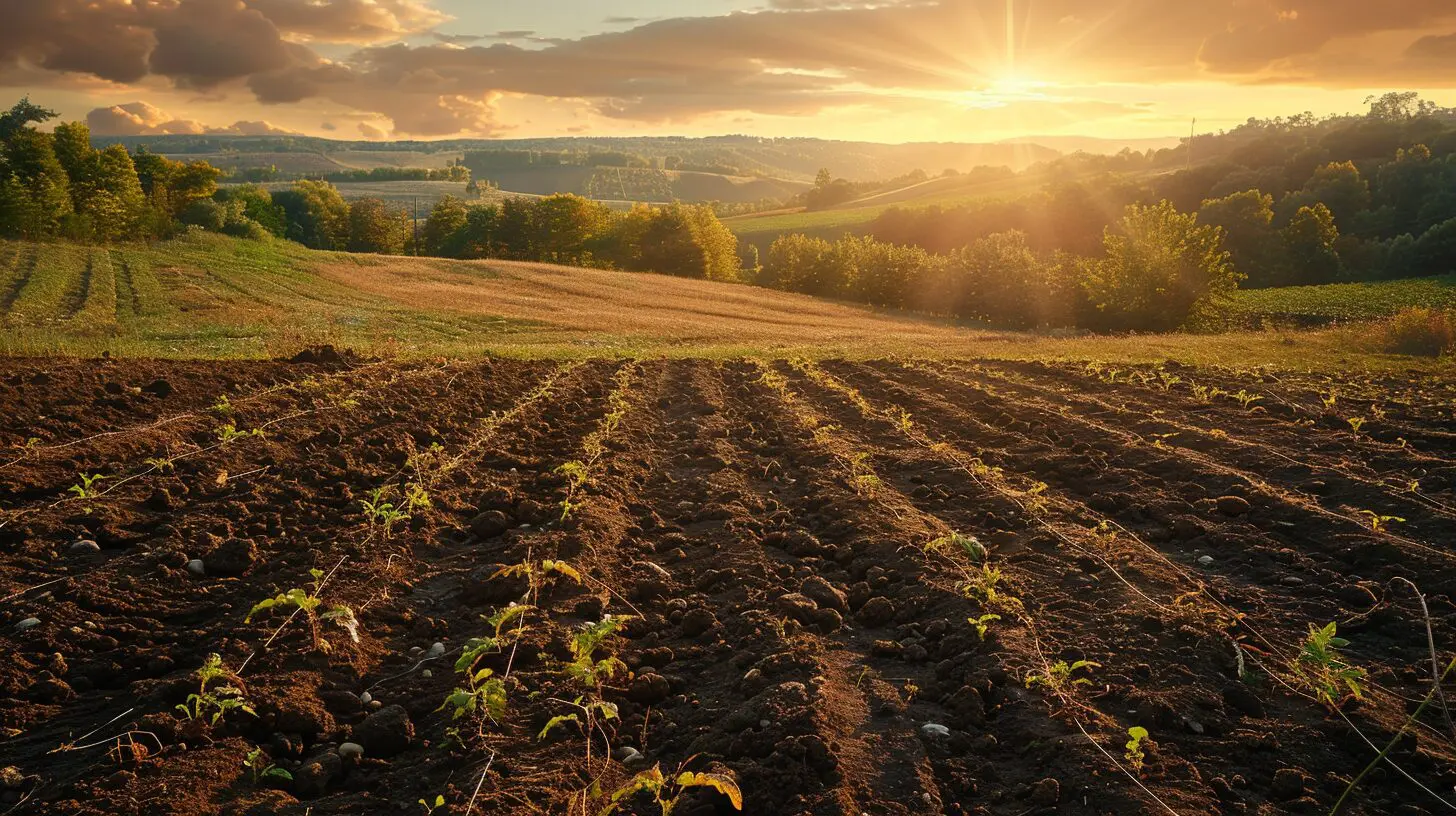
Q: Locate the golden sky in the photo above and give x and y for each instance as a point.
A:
(880, 70)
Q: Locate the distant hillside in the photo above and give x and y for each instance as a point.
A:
(1094, 145)
(795, 159)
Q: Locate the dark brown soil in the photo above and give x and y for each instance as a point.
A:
(765, 528)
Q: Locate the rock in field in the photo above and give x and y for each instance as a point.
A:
(314, 777)
(386, 732)
(1232, 505)
(877, 611)
(230, 558)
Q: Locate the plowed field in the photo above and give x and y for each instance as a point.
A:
(849, 587)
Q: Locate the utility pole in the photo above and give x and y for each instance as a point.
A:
(416, 222)
(1192, 134)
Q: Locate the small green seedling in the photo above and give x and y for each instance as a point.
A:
(482, 692)
(969, 546)
(229, 433)
(666, 792)
(429, 808)
(1059, 679)
(1377, 522)
(1324, 670)
(1356, 423)
(1247, 400)
(584, 668)
(87, 488)
(1134, 754)
(983, 624)
(213, 703)
(308, 602)
(592, 710)
(262, 769)
(223, 407)
(381, 511)
(160, 464)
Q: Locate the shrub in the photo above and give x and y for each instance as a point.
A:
(1416, 332)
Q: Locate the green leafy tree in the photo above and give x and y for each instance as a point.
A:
(1247, 221)
(1310, 247)
(373, 227)
(258, 206)
(1162, 268)
(21, 116)
(447, 218)
(41, 199)
(316, 215)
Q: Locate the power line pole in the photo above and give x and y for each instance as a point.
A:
(416, 222)
(1192, 134)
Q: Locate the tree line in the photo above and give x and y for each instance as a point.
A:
(1157, 269)
(1301, 200)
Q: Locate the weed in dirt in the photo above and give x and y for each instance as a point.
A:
(229, 433)
(482, 692)
(983, 624)
(212, 703)
(594, 711)
(666, 792)
(262, 770)
(1134, 754)
(308, 602)
(984, 585)
(87, 488)
(1378, 522)
(592, 637)
(1356, 423)
(1059, 677)
(160, 464)
(969, 546)
(431, 808)
(382, 512)
(1248, 401)
(1323, 670)
(223, 407)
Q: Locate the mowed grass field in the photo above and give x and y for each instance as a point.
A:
(209, 296)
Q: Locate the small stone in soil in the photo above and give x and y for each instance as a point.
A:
(85, 547)
(351, 750)
(196, 567)
(1205, 560)
(934, 730)
(28, 623)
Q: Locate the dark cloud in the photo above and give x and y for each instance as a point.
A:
(1434, 49)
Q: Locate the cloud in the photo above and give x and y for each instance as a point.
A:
(793, 58)
(350, 21)
(371, 132)
(144, 119)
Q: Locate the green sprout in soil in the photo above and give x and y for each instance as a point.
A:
(983, 624)
(1134, 755)
(429, 808)
(1323, 670)
(592, 637)
(969, 546)
(229, 433)
(261, 769)
(593, 711)
(87, 488)
(381, 511)
(308, 602)
(1377, 522)
(666, 792)
(1059, 679)
(211, 703)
